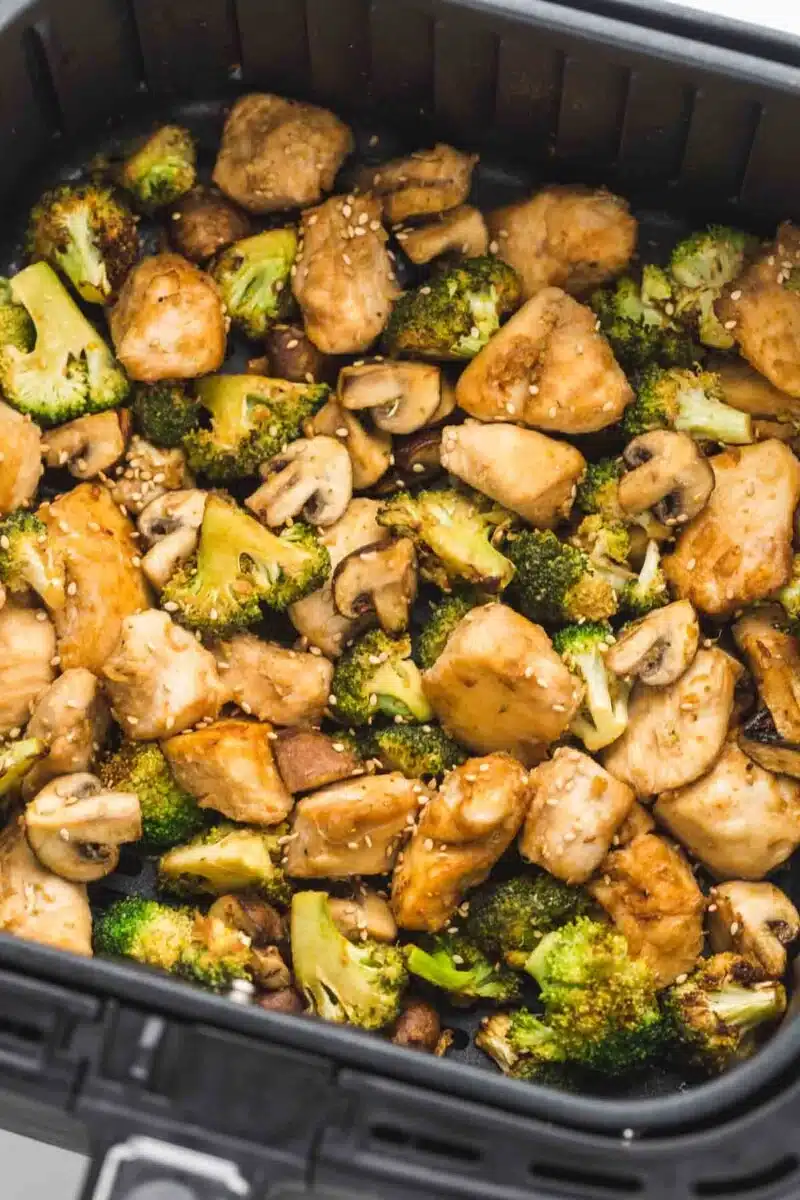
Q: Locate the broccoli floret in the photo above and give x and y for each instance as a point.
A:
(716, 1014)
(27, 559)
(416, 750)
(165, 413)
(253, 277)
(376, 676)
(444, 616)
(607, 544)
(598, 490)
(701, 266)
(70, 371)
(454, 532)
(252, 419)
(16, 759)
(16, 327)
(508, 920)
(649, 589)
(360, 983)
(455, 964)
(688, 400)
(88, 234)
(603, 714)
(789, 597)
(524, 1048)
(455, 313)
(170, 815)
(637, 321)
(227, 858)
(178, 940)
(555, 582)
(239, 566)
(161, 169)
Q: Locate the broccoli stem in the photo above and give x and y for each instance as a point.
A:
(746, 1008)
(441, 974)
(61, 329)
(704, 417)
(398, 690)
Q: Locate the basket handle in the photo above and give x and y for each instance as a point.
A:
(144, 1168)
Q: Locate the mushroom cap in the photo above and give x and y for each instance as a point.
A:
(75, 827)
(659, 648)
(181, 509)
(380, 578)
(89, 445)
(312, 476)
(166, 555)
(755, 919)
(666, 473)
(403, 396)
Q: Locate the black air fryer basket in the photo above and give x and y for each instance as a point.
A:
(189, 1096)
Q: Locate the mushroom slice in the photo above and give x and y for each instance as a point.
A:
(291, 355)
(364, 915)
(90, 445)
(659, 648)
(308, 759)
(75, 828)
(773, 656)
(171, 512)
(370, 450)
(418, 457)
(379, 579)
(427, 181)
(666, 473)
(163, 559)
(403, 396)
(312, 476)
(755, 920)
(761, 741)
(147, 473)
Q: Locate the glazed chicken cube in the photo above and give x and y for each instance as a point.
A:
(21, 464)
(283, 686)
(72, 718)
(426, 182)
(37, 905)
(27, 666)
(460, 231)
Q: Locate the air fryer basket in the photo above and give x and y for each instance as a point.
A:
(690, 130)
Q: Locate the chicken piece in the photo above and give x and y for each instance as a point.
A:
(739, 820)
(278, 153)
(756, 920)
(773, 656)
(27, 667)
(739, 548)
(309, 759)
(353, 828)
(426, 182)
(105, 584)
(576, 808)
(286, 687)
(37, 905)
(548, 367)
(637, 821)
(531, 474)
(499, 685)
(169, 321)
(761, 309)
(651, 895)
(315, 617)
(204, 222)
(229, 766)
(745, 389)
(344, 280)
(460, 231)
(72, 717)
(21, 464)
(468, 824)
(147, 473)
(568, 237)
(90, 445)
(160, 679)
(674, 733)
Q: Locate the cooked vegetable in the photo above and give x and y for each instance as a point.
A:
(701, 266)
(376, 676)
(555, 582)
(689, 400)
(253, 278)
(227, 858)
(452, 963)
(444, 616)
(170, 815)
(509, 919)
(634, 317)
(416, 750)
(161, 169)
(604, 712)
(165, 413)
(28, 560)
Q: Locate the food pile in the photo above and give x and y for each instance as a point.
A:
(443, 648)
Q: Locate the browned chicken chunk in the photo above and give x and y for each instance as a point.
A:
(750, 392)
(21, 464)
(756, 920)
(283, 686)
(38, 905)
(427, 181)
(469, 822)
(651, 895)
(548, 367)
(739, 548)
(204, 222)
(72, 717)
(27, 666)
(460, 231)
(637, 821)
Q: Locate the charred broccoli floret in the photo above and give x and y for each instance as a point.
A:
(649, 589)
(509, 919)
(165, 413)
(455, 964)
(598, 490)
(16, 759)
(360, 983)
(454, 532)
(701, 266)
(239, 566)
(27, 559)
(227, 858)
(455, 313)
(556, 582)
(161, 169)
(253, 277)
(687, 400)
(376, 676)
(521, 1045)
(252, 419)
(170, 815)
(603, 714)
(717, 1013)
(444, 617)
(87, 233)
(16, 327)
(69, 371)
(637, 321)
(416, 750)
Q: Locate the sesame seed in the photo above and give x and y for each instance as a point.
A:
(533, 388)
(551, 412)
(509, 407)
(428, 843)
(730, 324)
(737, 295)
(332, 700)
(734, 928)
(494, 247)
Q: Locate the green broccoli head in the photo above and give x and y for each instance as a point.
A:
(607, 544)
(27, 559)
(16, 327)
(556, 582)
(253, 278)
(688, 400)
(170, 815)
(453, 963)
(521, 1045)
(603, 714)
(161, 169)
(649, 589)
(789, 596)
(638, 320)
(717, 1013)
(444, 616)
(455, 313)
(415, 750)
(701, 266)
(252, 419)
(16, 759)
(89, 234)
(598, 490)
(455, 533)
(165, 413)
(508, 919)
(227, 858)
(360, 983)
(239, 566)
(376, 677)
(69, 371)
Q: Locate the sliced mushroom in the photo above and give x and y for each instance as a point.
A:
(90, 445)
(462, 230)
(755, 920)
(75, 827)
(370, 450)
(666, 473)
(312, 476)
(204, 222)
(659, 648)
(308, 759)
(418, 457)
(418, 1027)
(365, 915)
(252, 916)
(172, 512)
(380, 579)
(291, 355)
(761, 741)
(773, 656)
(403, 396)
(162, 560)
